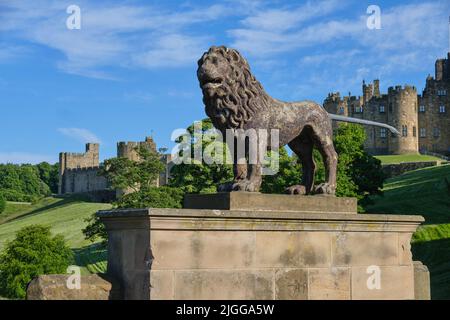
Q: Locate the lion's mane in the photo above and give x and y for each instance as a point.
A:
(244, 96)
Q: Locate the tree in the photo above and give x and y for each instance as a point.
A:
(33, 252)
(49, 175)
(2, 203)
(135, 176)
(198, 176)
(21, 183)
(289, 173)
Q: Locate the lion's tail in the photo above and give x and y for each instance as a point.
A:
(336, 117)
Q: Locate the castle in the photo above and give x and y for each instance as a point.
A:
(422, 120)
(78, 172)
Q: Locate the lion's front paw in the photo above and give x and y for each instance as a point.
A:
(226, 187)
(241, 185)
(245, 185)
(296, 189)
(325, 188)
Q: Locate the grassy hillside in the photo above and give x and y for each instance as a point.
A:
(424, 192)
(405, 158)
(65, 216)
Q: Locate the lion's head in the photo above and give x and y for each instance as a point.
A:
(231, 93)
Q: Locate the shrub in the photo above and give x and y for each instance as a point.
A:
(2, 203)
(33, 252)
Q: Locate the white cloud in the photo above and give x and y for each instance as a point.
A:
(80, 134)
(172, 50)
(23, 157)
(115, 35)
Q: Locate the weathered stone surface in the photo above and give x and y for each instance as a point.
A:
(224, 285)
(329, 284)
(291, 284)
(54, 287)
(421, 281)
(203, 250)
(235, 254)
(396, 283)
(357, 248)
(243, 201)
(161, 285)
(292, 249)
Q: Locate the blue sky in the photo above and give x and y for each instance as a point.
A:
(131, 69)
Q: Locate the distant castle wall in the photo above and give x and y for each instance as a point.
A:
(78, 172)
(422, 120)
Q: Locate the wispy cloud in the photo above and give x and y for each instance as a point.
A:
(121, 35)
(24, 157)
(80, 134)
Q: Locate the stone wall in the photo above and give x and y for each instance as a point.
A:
(78, 171)
(396, 169)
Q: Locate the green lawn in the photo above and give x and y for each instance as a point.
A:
(66, 217)
(405, 158)
(424, 192)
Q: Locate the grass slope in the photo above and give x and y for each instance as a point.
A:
(66, 217)
(405, 158)
(424, 192)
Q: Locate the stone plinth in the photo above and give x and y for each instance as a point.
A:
(243, 201)
(260, 254)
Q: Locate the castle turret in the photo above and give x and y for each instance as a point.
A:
(128, 149)
(68, 161)
(402, 114)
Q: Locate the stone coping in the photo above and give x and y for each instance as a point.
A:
(195, 219)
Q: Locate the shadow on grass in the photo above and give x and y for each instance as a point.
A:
(436, 256)
(58, 204)
(92, 257)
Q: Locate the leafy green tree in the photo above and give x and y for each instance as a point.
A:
(2, 203)
(198, 176)
(133, 176)
(21, 183)
(289, 173)
(49, 175)
(33, 252)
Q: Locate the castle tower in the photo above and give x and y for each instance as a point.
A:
(402, 115)
(67, 161)
(128, 149)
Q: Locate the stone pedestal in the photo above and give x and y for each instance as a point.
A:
(261, 253)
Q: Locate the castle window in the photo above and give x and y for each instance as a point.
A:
(404, 131)
(423, 132)
(341, 110)
(358, 110)
(422, 108)
(382, 132)
(441, 109)
(382, 109)
(436, 132)
(442, 92)
(414, 131)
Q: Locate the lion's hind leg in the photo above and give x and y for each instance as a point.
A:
(324, 142)
(303, 148)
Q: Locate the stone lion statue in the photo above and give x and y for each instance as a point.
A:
(234, 99)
